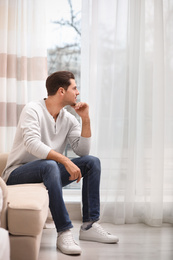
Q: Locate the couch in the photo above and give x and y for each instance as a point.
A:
(24, 212)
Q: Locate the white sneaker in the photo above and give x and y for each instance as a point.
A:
(98, 234)
(67, 245)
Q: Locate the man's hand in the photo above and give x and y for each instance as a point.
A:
(82, 109)
(73, 170)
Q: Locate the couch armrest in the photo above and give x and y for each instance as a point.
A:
(3, 215)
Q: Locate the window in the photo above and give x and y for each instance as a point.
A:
(64, 46)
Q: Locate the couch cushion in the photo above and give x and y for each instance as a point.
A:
(27, 208)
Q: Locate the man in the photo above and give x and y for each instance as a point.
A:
(43, 131)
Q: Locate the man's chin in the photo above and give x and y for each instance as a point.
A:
(73, 104)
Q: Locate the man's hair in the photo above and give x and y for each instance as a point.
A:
(58, 79)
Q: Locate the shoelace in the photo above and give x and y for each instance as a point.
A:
(100, 230)
(68, 239)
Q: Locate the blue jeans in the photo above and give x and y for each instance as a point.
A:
(55, 176)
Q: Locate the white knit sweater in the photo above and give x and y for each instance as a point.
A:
(37, 133)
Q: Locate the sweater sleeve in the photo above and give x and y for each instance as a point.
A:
(31, 134)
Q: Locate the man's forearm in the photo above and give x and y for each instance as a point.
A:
(86, 129)
(82, 109)
(53, 155)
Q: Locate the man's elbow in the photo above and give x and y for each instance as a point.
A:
(83, 152)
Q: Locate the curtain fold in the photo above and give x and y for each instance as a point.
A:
(23, 62)
(126, 77)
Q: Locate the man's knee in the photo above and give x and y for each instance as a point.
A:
(94, 161)
(51, 169)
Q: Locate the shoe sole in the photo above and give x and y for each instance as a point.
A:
(67, 252)
(99, 241)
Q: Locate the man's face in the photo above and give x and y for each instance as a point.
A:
(71, 94)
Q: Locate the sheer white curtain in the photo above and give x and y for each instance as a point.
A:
(127, 79)
(23, 63)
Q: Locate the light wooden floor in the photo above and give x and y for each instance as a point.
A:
(137, 242)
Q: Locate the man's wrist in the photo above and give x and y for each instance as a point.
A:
(85, 118)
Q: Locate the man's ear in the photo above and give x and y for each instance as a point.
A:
(61, 91)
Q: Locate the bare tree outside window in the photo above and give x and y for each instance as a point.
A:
(65, 54)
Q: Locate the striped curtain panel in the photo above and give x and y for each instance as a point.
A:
(23, 63)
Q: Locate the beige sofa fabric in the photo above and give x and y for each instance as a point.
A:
(27, 210)
(25, 247)
(4, 205)
(3, 161)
